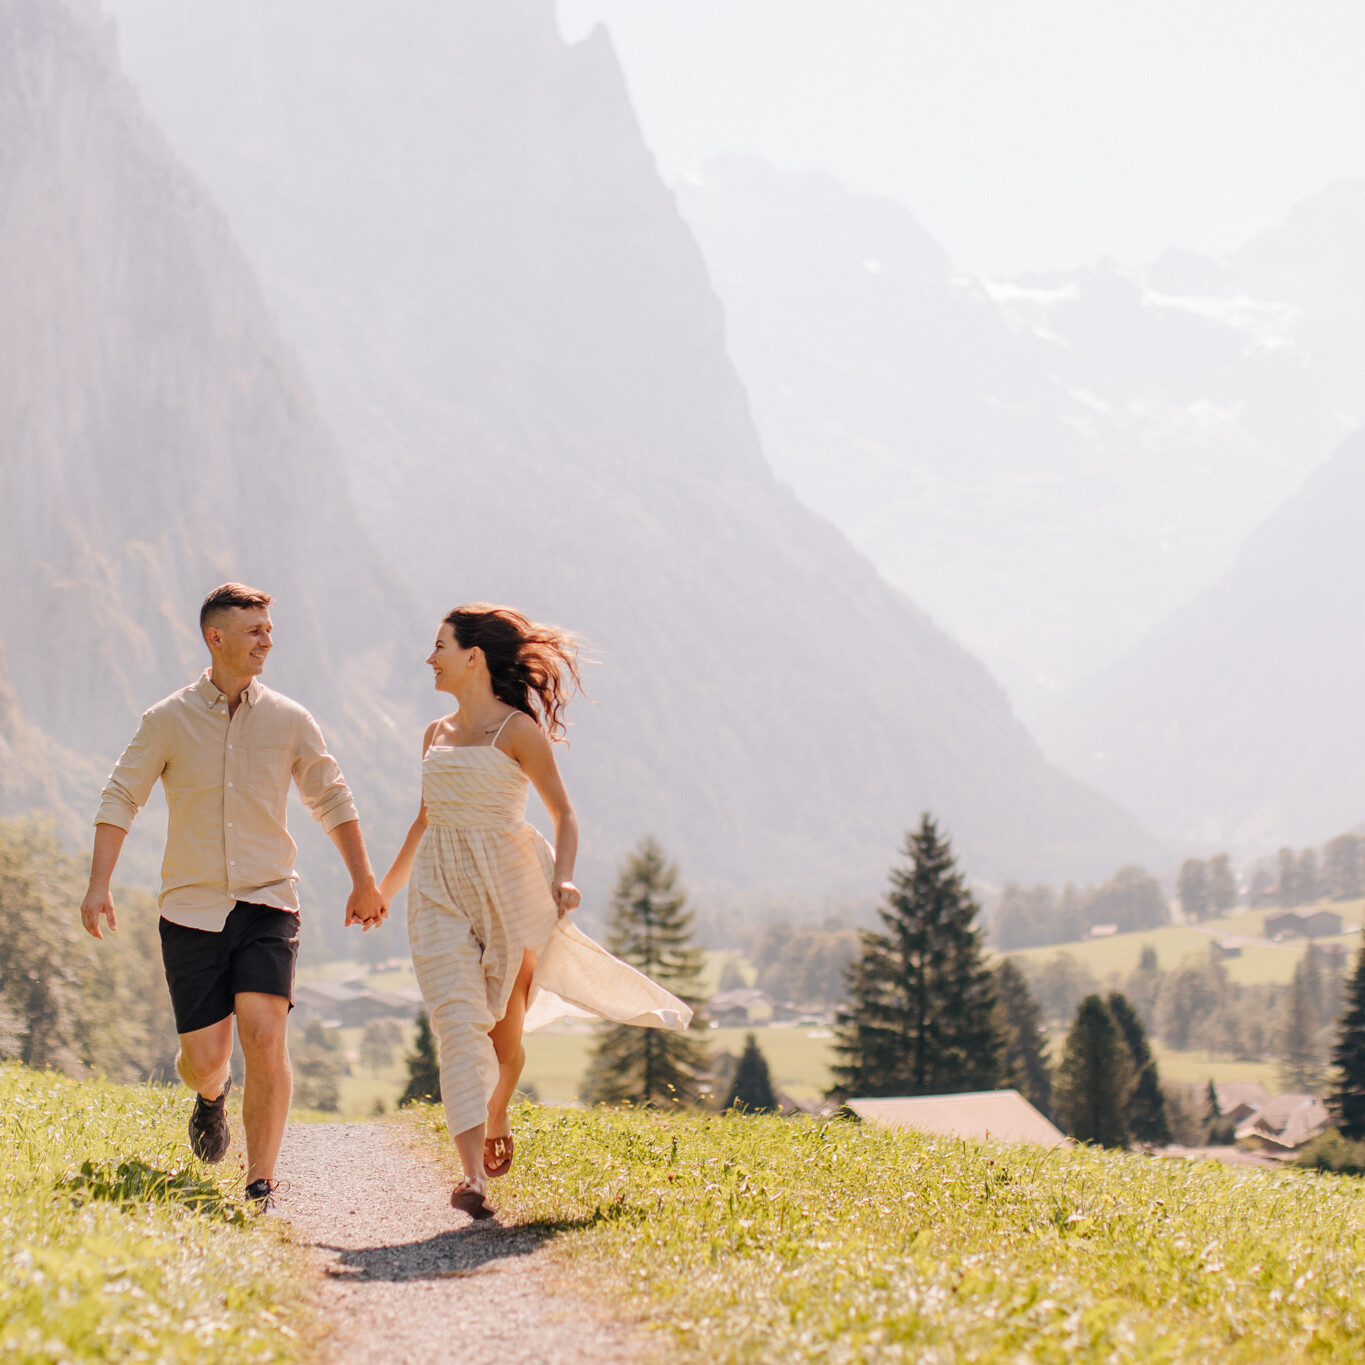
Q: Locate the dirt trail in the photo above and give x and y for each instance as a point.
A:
(407, 1279)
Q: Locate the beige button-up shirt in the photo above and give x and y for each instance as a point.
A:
(227, 783)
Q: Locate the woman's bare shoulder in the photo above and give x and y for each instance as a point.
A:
(432, 731)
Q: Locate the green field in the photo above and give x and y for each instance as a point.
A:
(1261, 962)
(745, 1240)
(119, 1246)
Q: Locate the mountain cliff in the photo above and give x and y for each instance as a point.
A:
(513, 336)
(158, 437)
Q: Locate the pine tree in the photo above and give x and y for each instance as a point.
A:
(1222, 885)
(1024, 1062)
(921, 1017)
(1095, 1078)
(1297, 1044)
(651, 928)
(318, 1068)
(1193, 889)
(1348, 1060)
(1219, 1130)
(752, 1090)
(424, 1067)
(1145, 1112)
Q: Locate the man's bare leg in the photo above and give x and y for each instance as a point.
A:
(262, 1029)
(204, 1057)
(506, 1036)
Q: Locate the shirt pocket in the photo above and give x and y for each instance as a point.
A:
(268, 769)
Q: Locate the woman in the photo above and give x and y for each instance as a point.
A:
(493, 952)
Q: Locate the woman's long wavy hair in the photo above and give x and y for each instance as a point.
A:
(533, 667)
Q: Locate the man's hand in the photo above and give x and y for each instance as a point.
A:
(366, 907)
(97, 902)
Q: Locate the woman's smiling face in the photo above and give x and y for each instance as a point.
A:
(448, 661)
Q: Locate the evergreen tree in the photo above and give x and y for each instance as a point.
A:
(1219, 1130)
(1193, 889)
(1222, 885)
(1024, 1063)
(424, 1067)
(1297, 1044)
(1348, 1060)
(1095, 1078)
(318, 1068)
(921, 1016)
(1145, 1112)
(651, 928)
(752, 1090)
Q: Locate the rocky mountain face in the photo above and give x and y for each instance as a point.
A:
(158, 438)
(1049, 465)
(513, 337)
(1239, 721)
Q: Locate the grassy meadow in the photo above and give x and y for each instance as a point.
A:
(118, 1245)
(761, 1239)
(1261, 961)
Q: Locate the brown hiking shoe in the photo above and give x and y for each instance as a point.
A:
(209, 1133)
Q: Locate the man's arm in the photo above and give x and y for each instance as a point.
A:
(365, 905)
(126, 792)
(98, 900)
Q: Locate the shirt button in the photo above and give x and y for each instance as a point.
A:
(229, 784)
(232, 862)
(229, 746)
(229, 824)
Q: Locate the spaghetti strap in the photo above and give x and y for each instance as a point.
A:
(502, 727)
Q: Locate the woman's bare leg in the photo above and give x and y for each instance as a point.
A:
(506, 1036)
(469, 1145)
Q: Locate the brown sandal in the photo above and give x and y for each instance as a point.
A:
(469, 1200)
(497, 1155)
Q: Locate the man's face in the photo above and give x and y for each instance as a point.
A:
(240, 639)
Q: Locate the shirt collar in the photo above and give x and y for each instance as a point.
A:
(212, 696)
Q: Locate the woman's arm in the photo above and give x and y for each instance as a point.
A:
(396, 878)
(525, 741)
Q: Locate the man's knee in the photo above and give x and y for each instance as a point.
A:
(263, 1026)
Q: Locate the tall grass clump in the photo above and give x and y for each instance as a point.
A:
(118, 1245)
(759, 1239)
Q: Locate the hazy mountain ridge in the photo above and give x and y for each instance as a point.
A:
(515, 338)
(1239, 720)
(158, 438)
(984, 440)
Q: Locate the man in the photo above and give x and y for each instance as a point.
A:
(225, 749)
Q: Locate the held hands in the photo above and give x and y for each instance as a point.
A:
(566, 896)
(97, 902)
(366, 906)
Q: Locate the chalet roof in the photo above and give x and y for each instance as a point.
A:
(1004, 1115)
(1232, 1094)
(1287, 1121)
(743, 997)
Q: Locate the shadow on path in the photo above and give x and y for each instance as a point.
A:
(448, 1255)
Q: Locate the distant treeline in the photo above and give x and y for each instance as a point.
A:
(1029, 916)
(1196, 1005)
(801, 966)
(67, 1001)
(1334, 872)
(1033, 916)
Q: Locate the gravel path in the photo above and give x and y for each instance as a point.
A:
(408, 1279)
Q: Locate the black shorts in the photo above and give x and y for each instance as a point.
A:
(255, 951)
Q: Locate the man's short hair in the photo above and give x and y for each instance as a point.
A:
(223, 599)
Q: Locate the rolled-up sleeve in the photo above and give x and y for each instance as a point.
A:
(135, 774)
(319, 780)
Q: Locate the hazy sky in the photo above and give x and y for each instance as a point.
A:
(1022, 133)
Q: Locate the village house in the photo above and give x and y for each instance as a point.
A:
(1000, 1115)
(351, 1005)
(1296, 924)
(1283, 1125)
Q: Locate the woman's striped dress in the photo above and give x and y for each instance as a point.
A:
(480, 895)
